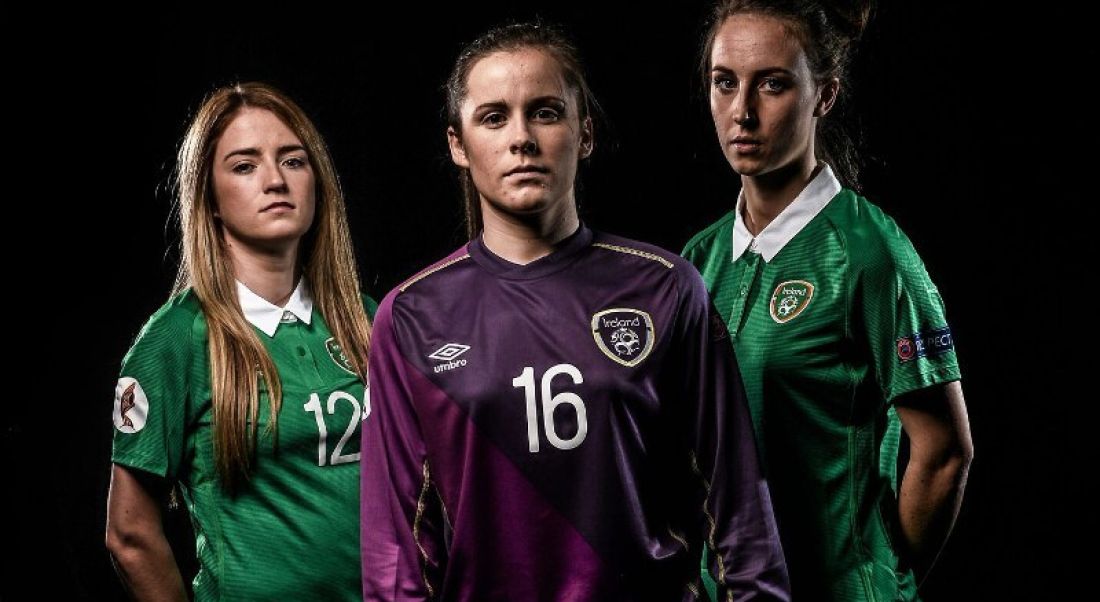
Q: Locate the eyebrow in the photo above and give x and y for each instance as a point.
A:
(255, 152)
(493, 104)
(764, 71)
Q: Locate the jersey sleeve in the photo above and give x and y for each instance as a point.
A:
(151, 395)
(735, 517)
(900, 314)
(401, 534)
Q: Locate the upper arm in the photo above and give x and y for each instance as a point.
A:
(936, 421)
(899, 314)
(151, 396)
(134, 503)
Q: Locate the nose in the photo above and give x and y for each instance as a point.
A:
(523, 140)
(744, 108)
(274, 181)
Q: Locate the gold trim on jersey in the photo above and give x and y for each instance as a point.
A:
(416, 529)
(710, 519)
(638, 252)
(680, 538)
(431, 271)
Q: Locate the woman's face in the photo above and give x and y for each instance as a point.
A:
(521, 135)
(263, 182)
(763, 97)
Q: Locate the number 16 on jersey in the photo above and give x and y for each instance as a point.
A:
(550, 402)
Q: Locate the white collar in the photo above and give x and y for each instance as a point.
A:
(266, 316)
(789, 222)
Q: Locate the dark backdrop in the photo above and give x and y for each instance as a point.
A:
(965, 141)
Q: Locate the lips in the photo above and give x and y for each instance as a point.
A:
(745, 144)
(277, 205)
(526, 169)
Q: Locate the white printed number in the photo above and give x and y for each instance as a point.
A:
(314, 405)
(526, 380)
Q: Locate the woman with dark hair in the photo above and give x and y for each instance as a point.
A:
(556, 417)
(247, 388)
(840, 334)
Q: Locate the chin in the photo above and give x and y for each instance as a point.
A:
(746, 166)
(525, 204)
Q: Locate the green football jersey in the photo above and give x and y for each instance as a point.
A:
(832, 315)
(292, 530)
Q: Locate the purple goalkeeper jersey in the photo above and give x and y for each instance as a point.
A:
(570, 429)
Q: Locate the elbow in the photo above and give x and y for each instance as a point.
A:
(118, 543)
(126, 546)
(948, 463)
(963, 453)
(955, 462)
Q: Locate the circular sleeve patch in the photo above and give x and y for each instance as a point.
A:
(131, 406)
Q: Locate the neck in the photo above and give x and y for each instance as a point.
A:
(766, 196)
(522, 239)
(271, 274)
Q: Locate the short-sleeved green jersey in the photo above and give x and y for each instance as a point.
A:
(291, 531)
(832, 316)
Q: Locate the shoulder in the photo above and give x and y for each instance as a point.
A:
(171, 330)
(866, 229)
(705, 241)
(433, 273)
(432, 282)
(637, 252)
(179, 316)
(871, 237)
(644, 256)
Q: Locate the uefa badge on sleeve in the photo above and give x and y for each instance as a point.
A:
(623, 334)
(790, 299)
(131, 406)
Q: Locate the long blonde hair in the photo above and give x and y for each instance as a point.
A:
(238, 359)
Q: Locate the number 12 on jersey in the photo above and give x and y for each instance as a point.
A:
(550, 402)
(314, 405)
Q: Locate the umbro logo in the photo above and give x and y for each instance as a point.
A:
(448, 354)
(449, 351)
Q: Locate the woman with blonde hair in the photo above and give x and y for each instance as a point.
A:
(248, 387)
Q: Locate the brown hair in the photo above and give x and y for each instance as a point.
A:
(828, 32)
(511, 38)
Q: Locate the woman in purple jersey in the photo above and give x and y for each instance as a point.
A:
(555, 413)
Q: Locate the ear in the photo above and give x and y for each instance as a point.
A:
(826, 97)
(588, 140)
(458, 151)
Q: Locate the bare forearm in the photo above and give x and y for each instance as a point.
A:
(931, 495)
(148, 568)
(135, 537)
(940, 451)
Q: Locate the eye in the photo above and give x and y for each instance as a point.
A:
(546, 115)
(494, 119)
(243, 168)
(773, 84)
(724, 83)
(295, 162)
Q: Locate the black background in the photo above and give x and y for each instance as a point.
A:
(968, 119)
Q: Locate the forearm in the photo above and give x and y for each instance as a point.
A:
(147, 566)
(931, 495)
(135, 537)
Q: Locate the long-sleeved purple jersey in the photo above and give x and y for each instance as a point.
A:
(570, 429)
